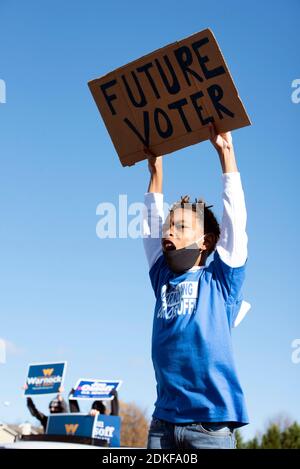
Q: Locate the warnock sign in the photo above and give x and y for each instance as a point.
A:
(45, 378)
(166, 99)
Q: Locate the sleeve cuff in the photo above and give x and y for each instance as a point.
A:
(232, 175)
(156, 197)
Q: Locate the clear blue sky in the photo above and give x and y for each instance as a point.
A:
(66, 294)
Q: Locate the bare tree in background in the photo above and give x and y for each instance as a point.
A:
(134, 428)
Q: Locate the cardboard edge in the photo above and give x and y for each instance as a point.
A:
(231, 77)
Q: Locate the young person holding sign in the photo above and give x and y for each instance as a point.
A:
(199, 398)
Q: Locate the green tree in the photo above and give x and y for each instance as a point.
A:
(252, 444)
(239, 440)
(290, 437)
(272, 438)
(280, 434)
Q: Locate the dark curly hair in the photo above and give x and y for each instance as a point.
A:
(211, 224)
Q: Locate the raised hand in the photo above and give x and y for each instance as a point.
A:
(222, 141)
(156, 169)
(154, 162)
(224, 146)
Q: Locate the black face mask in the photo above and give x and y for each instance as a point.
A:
(181, 260)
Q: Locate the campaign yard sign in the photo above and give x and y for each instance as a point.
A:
(108, 427)
(103, 427)
(45, 378)
(166, 99)
(95, 389)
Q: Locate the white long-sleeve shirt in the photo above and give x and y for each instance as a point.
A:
(232, 244)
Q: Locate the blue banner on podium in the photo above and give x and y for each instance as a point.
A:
(71, 424)
(103, 427)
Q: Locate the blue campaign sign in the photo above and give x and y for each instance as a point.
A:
(45, 378)
(71, 424)
(108, 427)
(99, 389)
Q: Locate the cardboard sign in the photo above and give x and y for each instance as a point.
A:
(95, 389)
(166, 99)
(104, 427)
(45, 378)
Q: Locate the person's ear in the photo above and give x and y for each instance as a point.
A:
(208, 242)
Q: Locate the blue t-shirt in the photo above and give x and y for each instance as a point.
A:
(191, 343)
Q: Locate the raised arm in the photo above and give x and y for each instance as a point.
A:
(155, 167)
(154, 209)
(73, 403)
(232, 244)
